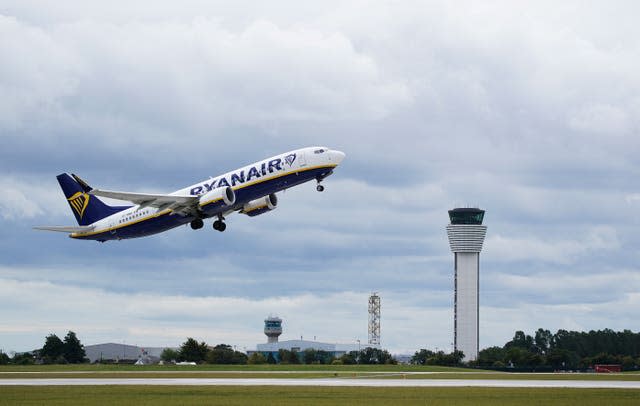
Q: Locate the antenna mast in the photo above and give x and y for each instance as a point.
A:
(374, 319)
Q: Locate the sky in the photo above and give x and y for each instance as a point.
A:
(528, 110)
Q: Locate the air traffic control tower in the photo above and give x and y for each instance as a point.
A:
(272, 328)
(466, 235)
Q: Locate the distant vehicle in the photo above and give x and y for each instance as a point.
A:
(250, 190)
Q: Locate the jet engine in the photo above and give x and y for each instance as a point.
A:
(260, 206)
(217, 198)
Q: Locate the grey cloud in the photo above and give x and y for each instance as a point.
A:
(529, 112)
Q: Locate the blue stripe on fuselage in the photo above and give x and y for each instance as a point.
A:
(159, 223)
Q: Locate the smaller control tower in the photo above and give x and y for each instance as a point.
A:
(272, 328)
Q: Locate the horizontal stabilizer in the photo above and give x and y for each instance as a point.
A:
(66, 229)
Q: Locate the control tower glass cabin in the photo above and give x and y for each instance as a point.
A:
(466, 236)
(272, 328)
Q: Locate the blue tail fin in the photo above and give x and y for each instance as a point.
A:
(87, 208)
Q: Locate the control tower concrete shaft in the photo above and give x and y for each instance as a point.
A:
(466, 236)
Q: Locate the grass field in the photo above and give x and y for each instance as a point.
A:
(284, 371)
(233, 395)
(287, 395)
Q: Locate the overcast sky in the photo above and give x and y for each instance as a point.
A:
(529, 110)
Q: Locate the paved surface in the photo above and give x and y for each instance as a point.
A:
(493, 383)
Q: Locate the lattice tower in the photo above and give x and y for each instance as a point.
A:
(374, 319)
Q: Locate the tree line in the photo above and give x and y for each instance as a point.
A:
(564, 350)
(71, 351)
(192, 351)
(54, 351)
(366, 356)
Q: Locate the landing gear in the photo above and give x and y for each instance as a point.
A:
(219, 225)
(197, 224)
(320, 188)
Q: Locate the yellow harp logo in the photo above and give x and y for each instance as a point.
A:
(79, 203)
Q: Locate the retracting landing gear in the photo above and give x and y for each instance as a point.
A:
(219, 224)
(197, 224)
(319, 179)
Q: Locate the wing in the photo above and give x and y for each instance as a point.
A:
(66, 229)
(178, 203)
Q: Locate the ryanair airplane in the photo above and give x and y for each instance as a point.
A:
(250, 190)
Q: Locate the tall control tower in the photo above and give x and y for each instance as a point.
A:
(466, 235)
(272, 328)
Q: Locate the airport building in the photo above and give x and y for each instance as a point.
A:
(114, 352)
(466, 236)
(273, 329)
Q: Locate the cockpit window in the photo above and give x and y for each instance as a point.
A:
(318, 151)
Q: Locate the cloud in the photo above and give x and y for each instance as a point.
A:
(632, 198)
(39, 72)
(197, 75)
(511, 249)
(603, 119)
(559, 287)
(168, 319)
(530, 113)
(27, 197)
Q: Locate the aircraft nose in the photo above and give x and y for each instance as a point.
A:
(337, 156)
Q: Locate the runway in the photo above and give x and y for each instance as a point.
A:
(340, 382)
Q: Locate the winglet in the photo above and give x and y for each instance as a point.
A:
(84, 185)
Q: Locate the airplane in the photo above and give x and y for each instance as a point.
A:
(250, 190)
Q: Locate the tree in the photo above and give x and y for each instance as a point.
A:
(53, 350)
(288, 357)
(520, 340)
(443, 359)
(372, 355)
(169, 355)
(309, 356)
(257, 358)
(239, 358)
(517, 356)
(4, 358)
(271, 359)
(313, 356)
(220, 354)
(224, 354)
(491, 356)
(24, 358)
(73, 349)
(542, 340)
(562, 359)
(349, 358)
(421, 357)
(628, 362)
(191, 351)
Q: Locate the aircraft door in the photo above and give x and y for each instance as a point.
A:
(112, 227)
(301, 159)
